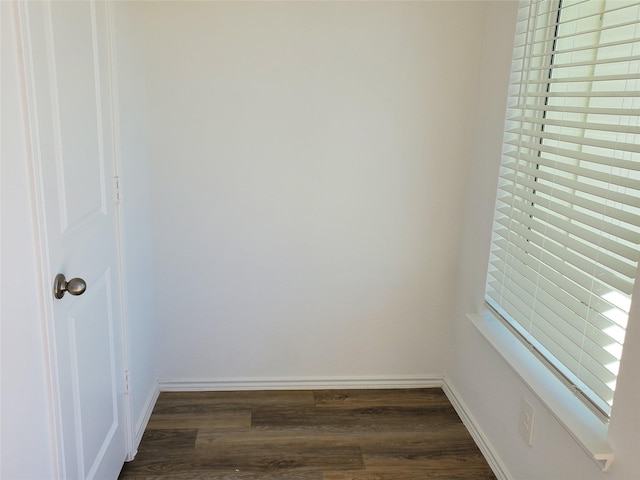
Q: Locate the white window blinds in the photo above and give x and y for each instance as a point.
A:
(566, 237)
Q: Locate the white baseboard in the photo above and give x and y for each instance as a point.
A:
(142, 422)
(318, 383)
(498, 467)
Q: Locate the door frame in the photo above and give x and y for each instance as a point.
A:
(38, 209)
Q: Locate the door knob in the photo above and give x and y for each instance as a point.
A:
(75, 286)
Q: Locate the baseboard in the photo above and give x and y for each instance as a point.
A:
(489, 452)
(318, 383)
(142, 422)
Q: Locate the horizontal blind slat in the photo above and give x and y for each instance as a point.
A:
(544, 172)
(538, 32)
(618, 112)
(572, 139)
(539, 234)
(585, 125)
(583, 63)
(562, 237)
(610, 161)
(570, 271)
(560, 162)
(576, 312)
(631, 236)
(596, 207)
(569, 327)
(582, 79)
(577, 233)
(583, 48)
(584, 94)
(545, 273)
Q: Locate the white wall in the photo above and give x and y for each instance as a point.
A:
(26, 438)
(490, 388)
(306, 166)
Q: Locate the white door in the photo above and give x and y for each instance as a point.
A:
(69, 102)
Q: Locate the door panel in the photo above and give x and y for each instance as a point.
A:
(79, 110)
(69, 96)
(94, 385)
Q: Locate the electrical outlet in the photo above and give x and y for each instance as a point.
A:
(526, 421)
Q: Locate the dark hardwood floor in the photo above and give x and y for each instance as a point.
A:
(307, 435)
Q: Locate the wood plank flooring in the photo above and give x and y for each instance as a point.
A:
(401, 434)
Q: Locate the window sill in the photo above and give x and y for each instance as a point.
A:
(577, 419)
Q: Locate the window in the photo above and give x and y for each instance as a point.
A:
(566, 235)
